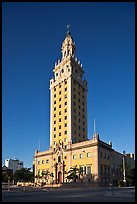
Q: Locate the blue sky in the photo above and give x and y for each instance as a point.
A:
(32, 34)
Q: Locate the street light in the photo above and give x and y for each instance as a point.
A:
(124, 169)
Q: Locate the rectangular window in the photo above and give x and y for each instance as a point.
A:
(54, 115)
(59, 92)
(65, 110)
(74, 96)
(74, 156)
(59, 99)
(54, 102)
(65, 96)
(82, 169)
(42, 161)
(54, 129)
(60, 106)
(65, 117)
(60, 86)
(65, 124)
(88, 154)
(54, 95)
(65, 89)
(65, 131)
(38, 162)
(60, 134)
(55, 122)
(54, 135)
(54, 89)
(81, 156)
(65, 82)
(54, 108)
(60, 120)
(59, 112)
(79, 100)
(89, 170)
(65, 103)
(60, 127)
(47, 161)
(74, 103)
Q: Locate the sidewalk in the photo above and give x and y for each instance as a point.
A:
(121, 193)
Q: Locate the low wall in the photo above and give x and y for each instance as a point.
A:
(25, 184)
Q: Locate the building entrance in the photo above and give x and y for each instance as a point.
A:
(60, 177)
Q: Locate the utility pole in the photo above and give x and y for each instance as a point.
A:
(124, 169)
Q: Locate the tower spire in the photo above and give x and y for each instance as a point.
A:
(68, 29)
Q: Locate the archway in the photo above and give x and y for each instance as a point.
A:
(60, 177)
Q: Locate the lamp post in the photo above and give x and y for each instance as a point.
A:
(124, 169)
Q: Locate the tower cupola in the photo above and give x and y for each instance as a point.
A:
(68, 46)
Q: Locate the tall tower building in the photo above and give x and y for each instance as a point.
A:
(69, 146)
(68, 98)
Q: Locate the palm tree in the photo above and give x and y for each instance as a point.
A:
(73, 173)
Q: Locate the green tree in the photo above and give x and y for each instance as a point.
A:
(23, 175)
(73, 173)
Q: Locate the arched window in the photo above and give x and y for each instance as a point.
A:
(59, 159)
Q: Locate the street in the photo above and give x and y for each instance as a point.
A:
(31, 194)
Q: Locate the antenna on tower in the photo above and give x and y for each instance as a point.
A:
(94, 126)
(39, 145)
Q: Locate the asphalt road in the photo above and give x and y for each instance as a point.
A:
(69, 195)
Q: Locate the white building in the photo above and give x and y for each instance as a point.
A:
(14, 164)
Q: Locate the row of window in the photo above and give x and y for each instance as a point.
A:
(65, 82)
(65, 103)
(65, 89)
(60, 111)
(43, 161)
(65, 132)
(104, 155)
(60, 114)
(88, 154)
(66, 109)
(60, 92)
(79, 108)
(65, 125)
(65, 96)
(79, 122)
(85, 170)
